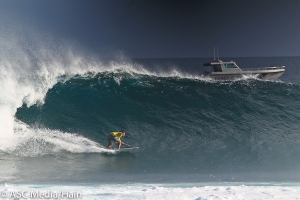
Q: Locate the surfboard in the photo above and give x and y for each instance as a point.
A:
(127, 149)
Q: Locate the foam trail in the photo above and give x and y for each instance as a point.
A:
(36, 142)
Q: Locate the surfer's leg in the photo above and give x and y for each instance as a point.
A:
(119, 143)
(110, 140)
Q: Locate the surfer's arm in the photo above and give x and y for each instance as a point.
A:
(125, 144)
(120, 144)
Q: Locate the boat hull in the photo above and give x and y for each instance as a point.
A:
(261, 74)
(270, 76)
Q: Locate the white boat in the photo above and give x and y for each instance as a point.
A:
(230, 70)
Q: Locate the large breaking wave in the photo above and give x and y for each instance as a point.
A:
(57, 100)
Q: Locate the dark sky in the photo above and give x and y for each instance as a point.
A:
(164, 28)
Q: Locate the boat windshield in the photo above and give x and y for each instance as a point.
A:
(229, 65)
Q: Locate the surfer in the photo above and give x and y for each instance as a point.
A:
(116, 137)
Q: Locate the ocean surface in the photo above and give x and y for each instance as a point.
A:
(197, 138)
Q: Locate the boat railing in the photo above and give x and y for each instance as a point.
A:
(264, 68)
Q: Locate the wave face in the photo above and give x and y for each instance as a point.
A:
(182, 122)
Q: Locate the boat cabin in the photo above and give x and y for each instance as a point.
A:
(220, 66)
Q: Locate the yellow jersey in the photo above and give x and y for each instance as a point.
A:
(117, 134)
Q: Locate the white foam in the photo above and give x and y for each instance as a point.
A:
(37, 141)
(165, 191)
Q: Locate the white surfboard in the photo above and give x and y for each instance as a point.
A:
(127, 149)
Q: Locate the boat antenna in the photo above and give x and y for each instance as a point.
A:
(214, 53)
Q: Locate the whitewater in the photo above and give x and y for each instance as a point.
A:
(198, 138)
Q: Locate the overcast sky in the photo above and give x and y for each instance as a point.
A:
(164, 28)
